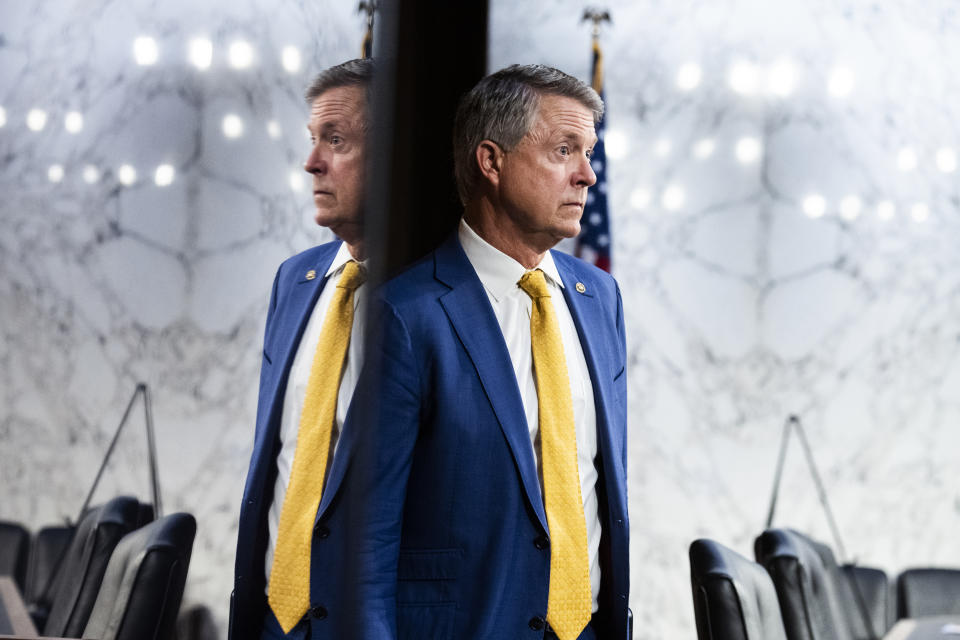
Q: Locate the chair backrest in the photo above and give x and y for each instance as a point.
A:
(146, 515)
(14, 552)
(875, 589)
(928, 592)
(141, 591)
(733, 597)
(77, 581)
(808, 584)
(48, 549)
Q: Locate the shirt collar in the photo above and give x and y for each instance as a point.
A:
(343, 257)
(498, 272)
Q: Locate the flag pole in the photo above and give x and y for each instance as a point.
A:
(593, 244)
(597, 17)
(370, 7)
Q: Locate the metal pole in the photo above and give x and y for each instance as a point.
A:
(152, 449)
(106, 458)
(785, 440)
(821, 492)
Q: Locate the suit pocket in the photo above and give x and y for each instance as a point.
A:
(427, 576)
(423, 621)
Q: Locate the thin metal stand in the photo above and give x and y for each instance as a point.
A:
(141, 390)
(793, 424)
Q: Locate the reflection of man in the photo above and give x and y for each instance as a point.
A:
(290, 527)
(496, 507)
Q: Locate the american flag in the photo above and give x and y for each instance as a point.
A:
(593, 243)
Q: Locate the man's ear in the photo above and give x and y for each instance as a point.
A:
(490, 160)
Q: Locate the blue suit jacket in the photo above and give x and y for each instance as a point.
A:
(291, 305)
(453, 541)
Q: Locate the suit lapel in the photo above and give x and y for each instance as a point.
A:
(290, 320)
(468, 309)
(591, 324)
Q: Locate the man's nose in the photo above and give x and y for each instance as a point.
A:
(315, 163)
(585, 176)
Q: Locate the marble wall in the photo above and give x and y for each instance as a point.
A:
(784, 206)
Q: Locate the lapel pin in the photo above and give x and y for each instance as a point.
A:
(311, 274)
(581, 288)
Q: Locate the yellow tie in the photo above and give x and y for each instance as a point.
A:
(289, 591)
(570, 599)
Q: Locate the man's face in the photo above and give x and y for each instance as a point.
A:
(544, 180)
(337, 161)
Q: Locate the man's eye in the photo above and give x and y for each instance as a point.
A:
(335, 140)
(589, 153)
(564, 150)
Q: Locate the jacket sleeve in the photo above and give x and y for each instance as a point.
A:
(265, 361)
(621, 387)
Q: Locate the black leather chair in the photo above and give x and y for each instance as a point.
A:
(928, 592)
(146, 515)
(141, 591)
(46, 554)
(14, 552)
(77, 581)
(877, 600)
(808, 583)
(865, 603)
(733, 597)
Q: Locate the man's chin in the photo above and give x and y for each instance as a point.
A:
(325, 218)
(559, 234)
(570, 230)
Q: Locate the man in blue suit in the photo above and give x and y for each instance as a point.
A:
(285, 514)
(494, 503)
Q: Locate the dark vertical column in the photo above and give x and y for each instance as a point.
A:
(428, 52)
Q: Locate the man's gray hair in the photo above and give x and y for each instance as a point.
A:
(502, 107)
(352, 73)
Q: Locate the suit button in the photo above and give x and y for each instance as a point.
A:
(537, 623)
(541, 542)
(322, 531)
(318, 611)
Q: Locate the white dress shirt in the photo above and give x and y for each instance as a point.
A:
(297, 390)
(499, 274)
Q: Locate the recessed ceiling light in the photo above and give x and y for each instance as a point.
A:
(145, 51)
(164, 174)
(201, 53)
(127, 175)
(814, 206)
(240, 54)
(36, 119)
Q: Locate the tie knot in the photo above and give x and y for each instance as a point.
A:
(535, 284)
(352, 277)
